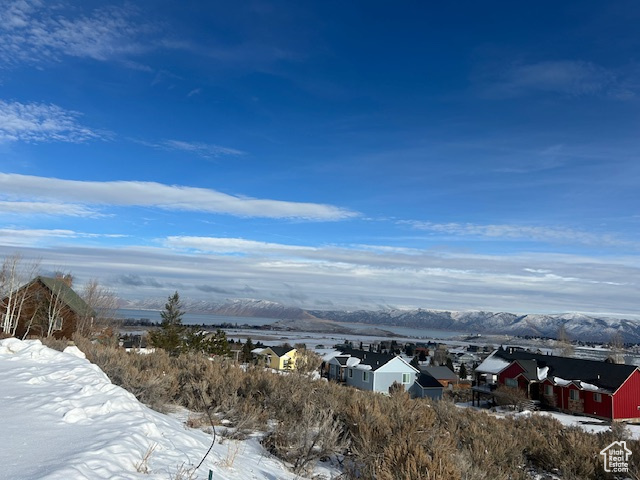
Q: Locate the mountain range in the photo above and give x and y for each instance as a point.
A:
(578, 326)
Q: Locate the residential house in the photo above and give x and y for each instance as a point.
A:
(444, 375)
(49, 307)
(337, 366)
(588, 387)
(425, 386)
(278, 358)
(376, 371)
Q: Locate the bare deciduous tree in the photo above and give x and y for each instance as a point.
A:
(563, 342)
(54, 317)
(13, 274)
(103, 303)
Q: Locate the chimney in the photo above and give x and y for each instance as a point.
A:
(67, 278)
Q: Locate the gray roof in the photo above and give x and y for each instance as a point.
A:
(374, 360)
(440, 373)
(66, 294)
(341, 359)
(427, 381)
(281, 351)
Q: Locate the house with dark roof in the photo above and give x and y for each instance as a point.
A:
(278, 358)
(595, 388)
(426, 386)
(376, 371)
(442, 374)
(49, 307)
(337, 367)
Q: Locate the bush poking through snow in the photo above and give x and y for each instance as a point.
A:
(374, 436)
(303, 440)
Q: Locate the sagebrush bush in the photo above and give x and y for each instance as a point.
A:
(374, 436)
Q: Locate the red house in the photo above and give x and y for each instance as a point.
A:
(594, 388)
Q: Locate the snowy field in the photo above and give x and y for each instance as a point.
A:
(62, 418)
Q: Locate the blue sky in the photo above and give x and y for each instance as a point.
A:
(327, 154)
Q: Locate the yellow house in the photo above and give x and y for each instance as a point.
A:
(279, 358)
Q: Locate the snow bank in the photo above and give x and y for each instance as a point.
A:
(61, 418)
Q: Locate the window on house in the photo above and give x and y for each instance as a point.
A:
(548, 390)
(597, 397)
(365, 376)
(351, 373)
(406, 378)
(511, 382)
(574, 394)
(57, 323)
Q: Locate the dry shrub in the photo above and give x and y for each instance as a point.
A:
(200, 421)
(307, 361)
(551, 446)
(245, 418)
(511, 397)
(394, 438)
(381, 437)
(151, 378)
(479, 438)
(55, 343)
(304, 440)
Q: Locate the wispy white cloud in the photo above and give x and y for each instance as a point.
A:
(166, 197)
(230, 245)
(521, 232)
(566, 77)
(33, 31)
(205, 150)
(47, 208)
(38, 122)
(33, 237)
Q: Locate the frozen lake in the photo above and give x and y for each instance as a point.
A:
(358, 328)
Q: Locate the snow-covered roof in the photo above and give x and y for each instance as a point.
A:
(587, 386)
(560, 381)
(493, 364)
(328, 356)
(353, 361)
(362, 366)
(542, 373)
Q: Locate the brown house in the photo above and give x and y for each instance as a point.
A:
(48, 307)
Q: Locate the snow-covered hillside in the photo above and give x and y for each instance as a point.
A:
(578, 326)
(61, 418)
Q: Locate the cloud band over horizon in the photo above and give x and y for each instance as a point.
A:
(167, 197)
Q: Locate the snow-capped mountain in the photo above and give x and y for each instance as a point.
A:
(577, 325)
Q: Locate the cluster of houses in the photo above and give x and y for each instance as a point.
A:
(381, 372)
(586, 387)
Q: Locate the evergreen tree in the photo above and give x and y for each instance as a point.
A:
(450, 364)
(247, 356)
(170, 337)
(463, 372)
(217, 344)
(207, 343)
(414, 363)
